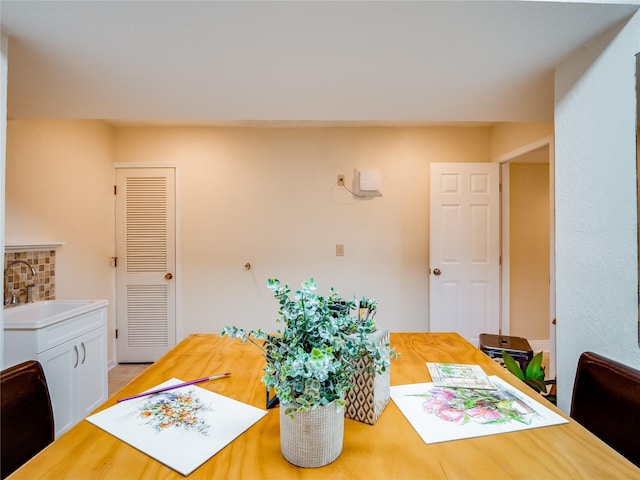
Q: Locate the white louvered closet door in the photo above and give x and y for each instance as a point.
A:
(145, 243)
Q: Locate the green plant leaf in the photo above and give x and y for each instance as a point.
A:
(535, 371)
(537, 385)
(512, 365)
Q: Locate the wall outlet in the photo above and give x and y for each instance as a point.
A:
(339, 250)
(340, 179)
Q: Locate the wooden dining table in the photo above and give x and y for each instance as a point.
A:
(389, 449)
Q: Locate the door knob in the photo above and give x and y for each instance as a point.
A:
(168, 276)
(437, 271)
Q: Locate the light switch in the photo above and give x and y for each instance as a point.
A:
(339, 250)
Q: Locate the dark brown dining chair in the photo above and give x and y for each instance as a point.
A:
(606, 401)
(26, 416)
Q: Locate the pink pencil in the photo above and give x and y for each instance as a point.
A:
(172, 387)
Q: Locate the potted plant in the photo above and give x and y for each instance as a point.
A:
(533, 375)
(310, 363)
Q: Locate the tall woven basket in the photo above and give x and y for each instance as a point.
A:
(371, 391)
(314, 438)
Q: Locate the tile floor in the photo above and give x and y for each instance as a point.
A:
(123, 373)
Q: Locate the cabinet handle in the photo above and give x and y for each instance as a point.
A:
(84, 353)
(75, 349)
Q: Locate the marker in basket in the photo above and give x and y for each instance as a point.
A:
(173, 387)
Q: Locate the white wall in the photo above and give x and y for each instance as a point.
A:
(269, 197)
(4, 50)
(529, 250)
(266, 196)
(596, 269)
(59, 188)
(509, 137)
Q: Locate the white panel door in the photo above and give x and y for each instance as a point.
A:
(145, 242)
(464, 249)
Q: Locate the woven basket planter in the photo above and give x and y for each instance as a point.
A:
(370, 392)
(314, 438)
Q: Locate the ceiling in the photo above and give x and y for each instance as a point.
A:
(285, 63)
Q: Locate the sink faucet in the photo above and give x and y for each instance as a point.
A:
(13, 299)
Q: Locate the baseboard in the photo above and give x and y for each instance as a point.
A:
(111, 363)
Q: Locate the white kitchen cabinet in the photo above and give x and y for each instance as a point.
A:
(76, 377)
(73, 354)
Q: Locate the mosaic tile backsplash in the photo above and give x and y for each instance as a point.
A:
(19, 275)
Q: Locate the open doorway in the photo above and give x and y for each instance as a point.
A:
(528, 247)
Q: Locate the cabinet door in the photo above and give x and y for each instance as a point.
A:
(58, 365)
(92, 381)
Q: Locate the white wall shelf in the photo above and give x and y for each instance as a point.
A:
(31, 247)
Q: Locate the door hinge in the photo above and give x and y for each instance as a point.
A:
(116, 333)
(115, 189)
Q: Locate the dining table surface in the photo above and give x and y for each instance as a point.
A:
(389, 449)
